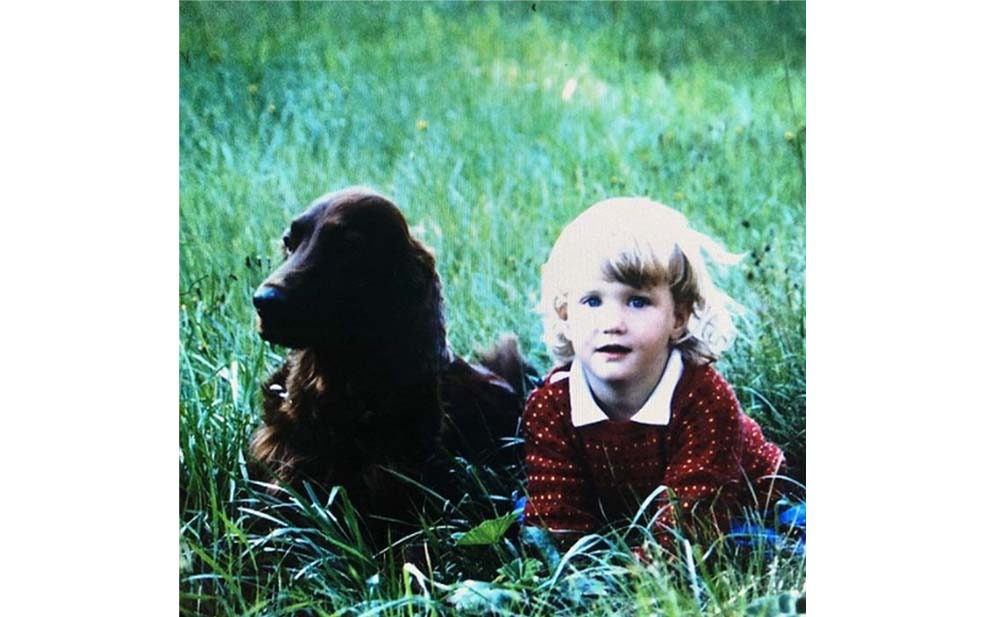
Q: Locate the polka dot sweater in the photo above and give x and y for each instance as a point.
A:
(713, 457)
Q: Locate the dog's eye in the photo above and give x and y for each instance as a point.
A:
(287, 244)
(295, 233)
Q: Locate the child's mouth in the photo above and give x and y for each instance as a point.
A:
(613, 350)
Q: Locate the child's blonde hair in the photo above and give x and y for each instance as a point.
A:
(640, 243)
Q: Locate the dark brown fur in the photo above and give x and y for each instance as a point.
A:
(371, 385)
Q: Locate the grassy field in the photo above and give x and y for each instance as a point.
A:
(461, 112)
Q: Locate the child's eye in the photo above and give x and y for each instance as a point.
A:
(638, 302)
(590, 301)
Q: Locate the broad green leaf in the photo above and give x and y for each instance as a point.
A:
(487, 533)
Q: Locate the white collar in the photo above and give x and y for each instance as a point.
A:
(656, 410)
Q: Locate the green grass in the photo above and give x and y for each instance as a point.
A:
(455, 110)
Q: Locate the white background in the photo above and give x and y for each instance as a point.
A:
(896, 161)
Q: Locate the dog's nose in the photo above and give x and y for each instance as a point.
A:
(268, 298)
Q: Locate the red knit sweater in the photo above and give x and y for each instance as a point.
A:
(709, 454)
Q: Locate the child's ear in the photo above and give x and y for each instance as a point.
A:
(563, 313)
(681, 315)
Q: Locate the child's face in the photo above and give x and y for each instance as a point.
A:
(620, 333)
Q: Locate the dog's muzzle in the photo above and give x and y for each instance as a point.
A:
(269, 300)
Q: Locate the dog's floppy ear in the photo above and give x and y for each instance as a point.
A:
(417, 272)
(384, 225)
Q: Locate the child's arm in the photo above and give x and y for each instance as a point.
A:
(764, 464)
(557, 488)
(705, 444)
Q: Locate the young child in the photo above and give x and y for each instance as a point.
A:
(634, 322)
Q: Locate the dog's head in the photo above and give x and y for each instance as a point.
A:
(352, 273)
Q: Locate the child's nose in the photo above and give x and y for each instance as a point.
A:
(612, 320)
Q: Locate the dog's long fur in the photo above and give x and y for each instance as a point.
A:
(371, 385)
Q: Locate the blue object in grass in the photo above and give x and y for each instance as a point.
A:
(520, 501)
(794, 516)
(747, 534)
(790, 532)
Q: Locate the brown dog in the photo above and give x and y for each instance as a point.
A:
(372, 385)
